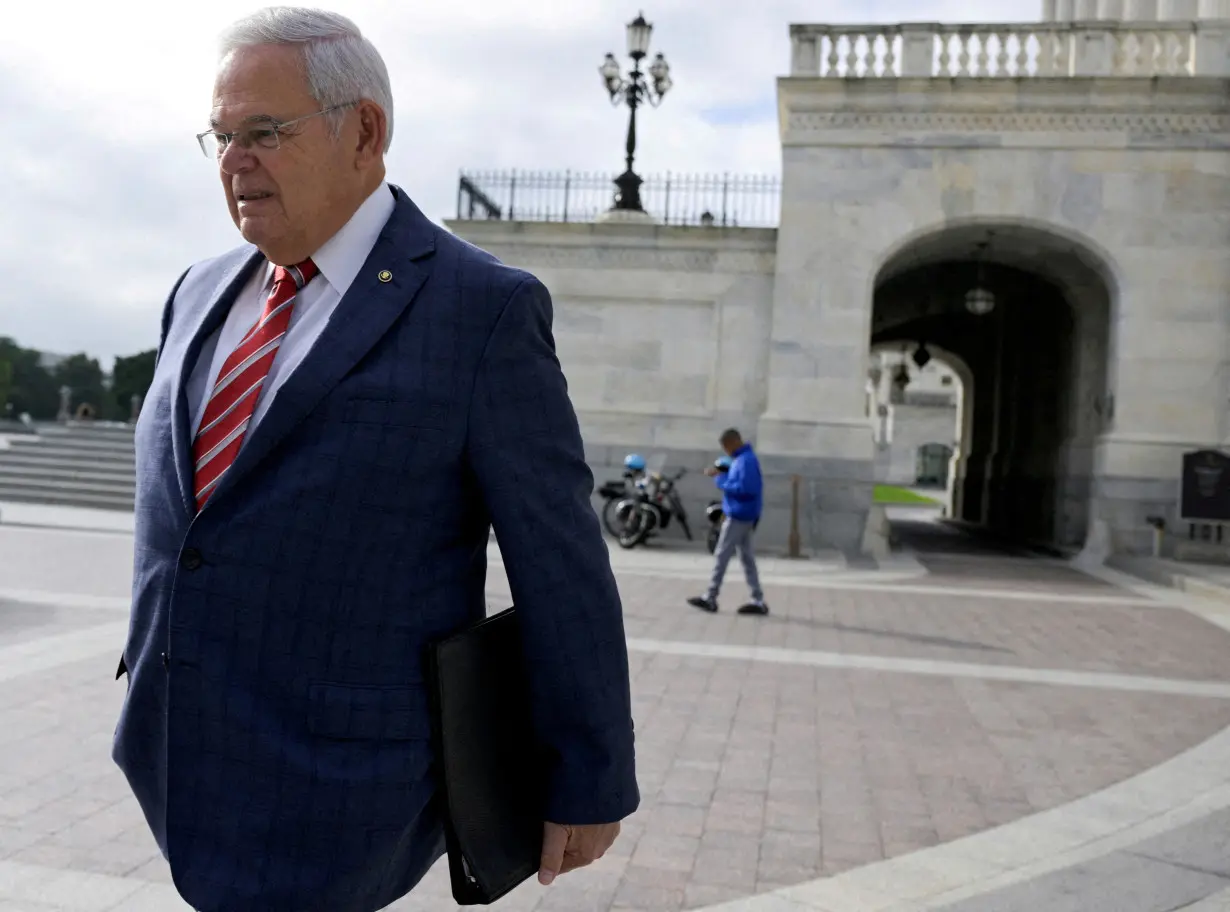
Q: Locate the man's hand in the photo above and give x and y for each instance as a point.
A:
(566, 848)
(711, 471)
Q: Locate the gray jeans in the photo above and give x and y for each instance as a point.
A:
(736, 534)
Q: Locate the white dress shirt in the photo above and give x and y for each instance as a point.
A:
(339, 259)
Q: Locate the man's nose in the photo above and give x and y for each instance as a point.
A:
(235, 159)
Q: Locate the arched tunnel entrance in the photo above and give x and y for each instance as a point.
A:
(1026, 312)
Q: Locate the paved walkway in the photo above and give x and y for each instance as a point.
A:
(966, 732)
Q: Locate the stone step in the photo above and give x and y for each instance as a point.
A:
(105, 476)
(75, 444)
(38, 494)
(66, 458)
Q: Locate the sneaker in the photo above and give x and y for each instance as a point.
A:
(754, 607)
(704, 603)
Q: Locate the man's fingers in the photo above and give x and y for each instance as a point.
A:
(554, 841)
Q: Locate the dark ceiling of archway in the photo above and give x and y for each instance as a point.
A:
(1066, 264)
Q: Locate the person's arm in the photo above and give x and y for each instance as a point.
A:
(524, 446)
(736, 482)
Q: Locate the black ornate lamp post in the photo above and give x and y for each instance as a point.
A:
(634, 89)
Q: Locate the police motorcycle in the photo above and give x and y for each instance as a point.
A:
(713, 512)
(650, 508)
(616, 489)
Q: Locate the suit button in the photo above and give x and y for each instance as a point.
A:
(191, 559)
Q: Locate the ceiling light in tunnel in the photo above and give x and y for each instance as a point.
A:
(979, 301)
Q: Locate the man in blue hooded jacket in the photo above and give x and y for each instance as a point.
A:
(742, 501)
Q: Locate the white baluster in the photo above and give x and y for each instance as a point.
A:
(945, 61)
(890, 59)
(872, 56)
(833, 60)
(963, 58)
(852, 56)
(1022, 53)
(1002, 58)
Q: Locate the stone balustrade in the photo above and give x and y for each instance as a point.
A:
(1036, 49)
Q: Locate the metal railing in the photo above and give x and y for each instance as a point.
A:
(721, 200)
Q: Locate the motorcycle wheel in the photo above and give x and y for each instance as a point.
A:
(634, 530)
(609, 520)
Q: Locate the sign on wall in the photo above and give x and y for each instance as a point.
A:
(1205, 487)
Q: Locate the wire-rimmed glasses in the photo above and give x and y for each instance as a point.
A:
(265, 133)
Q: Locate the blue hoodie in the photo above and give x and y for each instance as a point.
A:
(742, 487)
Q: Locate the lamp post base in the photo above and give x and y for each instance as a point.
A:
(625, 216)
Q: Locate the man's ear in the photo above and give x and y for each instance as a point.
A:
(373, 128)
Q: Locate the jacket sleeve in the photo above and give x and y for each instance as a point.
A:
(524, 446)
(737, 482)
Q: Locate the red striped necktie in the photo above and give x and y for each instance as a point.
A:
(237, 389)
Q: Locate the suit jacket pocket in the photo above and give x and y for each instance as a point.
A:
(348, 712)
(424, 414)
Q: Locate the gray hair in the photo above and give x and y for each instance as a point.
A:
(342, 66)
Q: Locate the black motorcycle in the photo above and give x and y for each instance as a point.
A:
(655, 503)
(612, 492)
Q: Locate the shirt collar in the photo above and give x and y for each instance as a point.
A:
(341, 257)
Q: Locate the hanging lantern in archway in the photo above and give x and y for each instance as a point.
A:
(978, 300)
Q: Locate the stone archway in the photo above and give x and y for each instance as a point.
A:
(1039, 365)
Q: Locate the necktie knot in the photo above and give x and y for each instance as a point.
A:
(299, 273)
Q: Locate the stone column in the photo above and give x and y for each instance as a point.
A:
(1048, 10)
(1110, 9)
(1084, 10)
(1063, 10)
(1140, 10)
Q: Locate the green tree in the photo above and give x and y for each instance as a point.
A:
(32, 388)
(131, 376)
(6, 384)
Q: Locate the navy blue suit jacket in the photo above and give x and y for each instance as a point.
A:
(275, 728)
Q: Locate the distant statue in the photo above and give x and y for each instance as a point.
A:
(66, 396)
(134, 411)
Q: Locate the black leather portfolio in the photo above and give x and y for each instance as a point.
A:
(490, 766)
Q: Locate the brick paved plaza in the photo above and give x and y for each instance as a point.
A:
(874, 714)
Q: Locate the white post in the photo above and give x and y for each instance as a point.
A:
(804, 57)
(1110, 9)
(1093, 52)
(918, 49)
(1085, 10)
(1063, 10)
(1212, 52)
(1140, 10)
(1048, 10)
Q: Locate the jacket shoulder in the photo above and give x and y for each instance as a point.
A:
(482, 271)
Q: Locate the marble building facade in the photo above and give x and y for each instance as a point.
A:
(1077, 168)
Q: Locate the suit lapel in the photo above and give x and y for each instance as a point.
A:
(207, 321)
(365, 313)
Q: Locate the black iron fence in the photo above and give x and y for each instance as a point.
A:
(581, 196)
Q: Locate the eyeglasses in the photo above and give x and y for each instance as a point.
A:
(264, 135)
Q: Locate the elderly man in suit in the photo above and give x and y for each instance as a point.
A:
(342, 408)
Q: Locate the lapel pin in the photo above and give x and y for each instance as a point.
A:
(385, 276)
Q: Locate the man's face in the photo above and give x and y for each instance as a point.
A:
(289, 200)
(731, 444)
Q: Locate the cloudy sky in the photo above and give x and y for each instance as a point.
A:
(108, 198)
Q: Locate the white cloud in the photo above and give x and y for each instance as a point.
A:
(108, 199)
